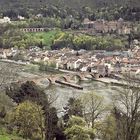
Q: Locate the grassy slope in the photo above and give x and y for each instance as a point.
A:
(9, 137)
(46, 37)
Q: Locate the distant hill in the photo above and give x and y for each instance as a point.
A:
(6, 4)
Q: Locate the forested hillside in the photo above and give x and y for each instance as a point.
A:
(70, 3)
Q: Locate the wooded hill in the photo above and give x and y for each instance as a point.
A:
(76, 4)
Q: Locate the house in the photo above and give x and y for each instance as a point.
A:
(102, 26)
(5, 20)
(99, 26)
(101, 68)
(39, 16)
(70, 65)
(87, 24)
(59, 63)
(20, 17)
(77, 64)
(134, 63)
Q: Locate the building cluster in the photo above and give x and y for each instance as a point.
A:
(8, 20)
(99, 61)
(102, 26)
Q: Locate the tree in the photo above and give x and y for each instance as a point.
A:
(51, 120)
(106, 129)
(29, 119)
(87, 11)
(8, 73)
(74, 107)
(2, 112)
(84, 42)
(77, 129)
(30, 91)
(6, 104)
(93, 107)
(127, 109)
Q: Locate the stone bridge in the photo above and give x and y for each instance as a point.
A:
(69, 77)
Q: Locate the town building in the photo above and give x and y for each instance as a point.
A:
(102, 26)
(5, 20)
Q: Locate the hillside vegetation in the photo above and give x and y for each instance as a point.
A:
(77, 4)
(8, 137)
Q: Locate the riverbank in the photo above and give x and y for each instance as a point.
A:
(116, 82)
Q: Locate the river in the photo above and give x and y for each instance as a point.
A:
(60, 94)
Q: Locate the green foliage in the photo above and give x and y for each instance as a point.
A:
(107, 128)
(5, 135)
(55, 13)
(87, 42)
(12, 38)
(6, 105)
(77, 133)
(63, 40)
(77, 129)
(16, 38)
(84, 42)
(57, 39)
(5, 102)
(74, 120)
(47, 66)
(49, 22)
(73, 107)
(30, 91)
(23, 9)
(9, 137)
(29, 119)
(46, 37)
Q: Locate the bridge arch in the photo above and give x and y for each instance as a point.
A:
(76, 77)
(62, 78)
(90, 76)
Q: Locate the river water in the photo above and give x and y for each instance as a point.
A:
(60, 94)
